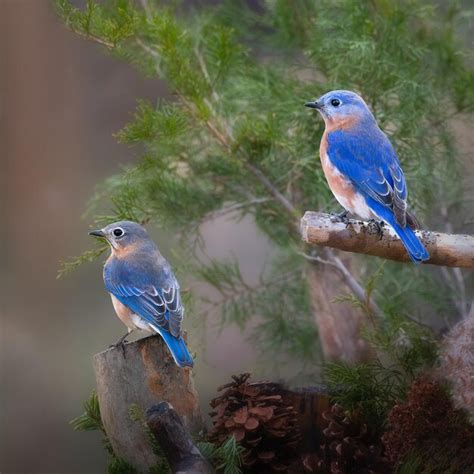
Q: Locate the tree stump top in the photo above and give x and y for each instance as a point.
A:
(141, 373)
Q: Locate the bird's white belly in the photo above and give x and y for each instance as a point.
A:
(128, 317)
(356, 205)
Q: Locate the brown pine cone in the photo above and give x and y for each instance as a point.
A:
(348, 447)
(260, 419)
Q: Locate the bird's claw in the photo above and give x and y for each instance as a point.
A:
(377, 226)
(120, 343)
(340, 217)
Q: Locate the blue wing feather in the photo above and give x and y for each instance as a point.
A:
(153, 293)
(368, 160)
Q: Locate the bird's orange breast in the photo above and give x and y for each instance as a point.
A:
(340, 186)
(124, 313)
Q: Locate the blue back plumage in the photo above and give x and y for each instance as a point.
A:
(366, 157)
(142, 280)
(363, 154)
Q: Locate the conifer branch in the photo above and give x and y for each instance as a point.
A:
(205, 73)
(227, 141)
(359, 292)
(90, 37)
(234, 207)
(449, 250)
(245, 290)
(272, 189)
(236, 128)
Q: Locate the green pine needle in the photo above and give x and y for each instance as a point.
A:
(90, 420)
(75, 262)
(239, 83)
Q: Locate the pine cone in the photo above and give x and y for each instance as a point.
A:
(260, 419)
(348, 447)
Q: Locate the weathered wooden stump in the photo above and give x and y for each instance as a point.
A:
(141, 374)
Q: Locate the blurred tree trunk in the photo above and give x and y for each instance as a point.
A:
(339, 324)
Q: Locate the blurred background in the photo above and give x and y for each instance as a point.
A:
(62, 99)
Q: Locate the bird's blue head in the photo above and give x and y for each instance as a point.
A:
(123, 235)
(341, 107)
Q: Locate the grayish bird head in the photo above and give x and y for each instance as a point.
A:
(338, 106)
(123, 235)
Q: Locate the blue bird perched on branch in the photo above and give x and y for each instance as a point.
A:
(362, 168)
(144, 290)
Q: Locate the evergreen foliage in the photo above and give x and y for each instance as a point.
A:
(162, 467)
(119, 466)
(404, 349)
(227, 458)
(91, 420)
(238, 140)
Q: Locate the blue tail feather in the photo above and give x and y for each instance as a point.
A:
(412, 243)
(178, 348)
(414, 247)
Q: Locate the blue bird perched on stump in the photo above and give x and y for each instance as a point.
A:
(362, 168)
(144, 290)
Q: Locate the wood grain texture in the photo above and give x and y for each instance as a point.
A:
(142, 374)
(175, 441)
(309, 403)
(449, 250)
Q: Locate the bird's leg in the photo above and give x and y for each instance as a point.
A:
(377, 226)
(121, 342)
(123, 339)
(340, 216)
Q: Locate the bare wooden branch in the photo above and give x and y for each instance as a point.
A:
(141, 373)
(449, 250)
(175, 441)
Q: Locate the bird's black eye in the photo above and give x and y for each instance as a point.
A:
(118, 232)
(335, 102)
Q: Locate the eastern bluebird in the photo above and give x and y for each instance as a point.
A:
(362, 168)
(144, 290)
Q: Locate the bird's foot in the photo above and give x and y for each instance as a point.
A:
(340, 217)
(376, 226)
(120, 343)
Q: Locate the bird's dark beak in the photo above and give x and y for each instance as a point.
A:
(314, 104)
(97, 233)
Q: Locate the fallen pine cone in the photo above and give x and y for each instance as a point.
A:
(260, 419)
(348, 448)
